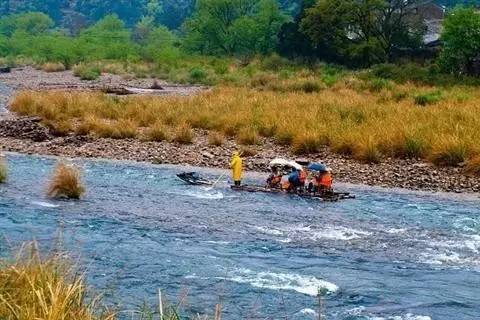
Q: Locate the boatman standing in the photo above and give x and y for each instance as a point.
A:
(237, 169)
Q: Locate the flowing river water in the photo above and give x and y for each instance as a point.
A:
(389, 254)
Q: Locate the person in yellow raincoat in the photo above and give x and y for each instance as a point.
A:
(237, 169)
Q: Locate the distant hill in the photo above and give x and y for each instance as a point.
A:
(74, 14)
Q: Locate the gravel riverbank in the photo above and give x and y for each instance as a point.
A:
(27, 135)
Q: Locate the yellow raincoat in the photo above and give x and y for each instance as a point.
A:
(237, 167)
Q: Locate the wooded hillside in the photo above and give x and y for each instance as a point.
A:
(75, 14)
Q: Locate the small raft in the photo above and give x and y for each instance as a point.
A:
(330, 197)
(194, 179)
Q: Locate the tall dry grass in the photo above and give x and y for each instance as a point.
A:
(66, 183)
(3, 170)
(348, 117)
(33, 287)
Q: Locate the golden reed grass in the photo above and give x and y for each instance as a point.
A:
(3, 170)
(348, 117)
(33, 287)
(66, 183)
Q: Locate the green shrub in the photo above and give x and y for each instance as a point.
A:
(424, 99)
(87, 72)
(198, 74)
(399, 96)
(414, 147)
(378, 84)
(274, 62)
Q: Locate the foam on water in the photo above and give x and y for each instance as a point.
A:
(396, 230)
(315, 233)
(270, 231)
(339, 233)
(45, 204)
(362, 313)
(204, 194)
(307, 285)
(309, 313)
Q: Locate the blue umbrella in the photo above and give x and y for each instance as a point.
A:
(317, 167)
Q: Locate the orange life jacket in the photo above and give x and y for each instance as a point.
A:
(303, 176)
(326, 180)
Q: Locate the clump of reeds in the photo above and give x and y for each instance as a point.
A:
(87, 72)
(157, 132)
(53, 67)
(360, 122)
(3, 170)
(248, 136)
(216, 139)
(473, 165)
(66, 182)
(449, 151)
(183, 134)
(34, 287)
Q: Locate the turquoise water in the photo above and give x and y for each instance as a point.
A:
(386, 255)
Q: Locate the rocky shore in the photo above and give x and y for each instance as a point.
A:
(27, 135)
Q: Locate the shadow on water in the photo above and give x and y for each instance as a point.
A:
(387, 255)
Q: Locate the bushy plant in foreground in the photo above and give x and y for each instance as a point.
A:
(34, 287)
(66, 182)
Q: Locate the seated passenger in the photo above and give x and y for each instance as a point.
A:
(325, 181)
(297, 180)
(275, 179)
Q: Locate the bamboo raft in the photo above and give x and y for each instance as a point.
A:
(194, 179)
(327, 196)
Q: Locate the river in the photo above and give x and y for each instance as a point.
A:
(389, 254)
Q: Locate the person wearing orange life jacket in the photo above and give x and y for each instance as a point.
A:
(325, 181)
(274, 181)
(303, 177)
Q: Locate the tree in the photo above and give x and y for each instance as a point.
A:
(461, 40)
(292, 42)
(107, 39)
(364, 32)
(234, 26)
(32, 23)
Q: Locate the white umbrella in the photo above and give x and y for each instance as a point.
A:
(279, 162)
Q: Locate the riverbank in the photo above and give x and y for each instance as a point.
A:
(27, 135)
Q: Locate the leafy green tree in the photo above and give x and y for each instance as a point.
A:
(234, 26)
(461, 40)
(159, 42)
(293, 43)
(363, 32)
(107, 39)
(32, 23)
